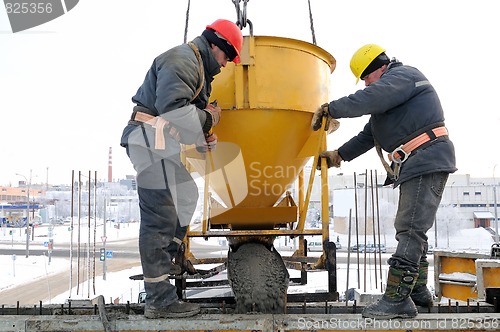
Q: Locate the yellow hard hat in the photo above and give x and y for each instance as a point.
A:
(363, 57)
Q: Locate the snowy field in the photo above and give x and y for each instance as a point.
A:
(118, 287)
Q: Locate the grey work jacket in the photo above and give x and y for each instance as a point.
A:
(401, 103)
(168, 89)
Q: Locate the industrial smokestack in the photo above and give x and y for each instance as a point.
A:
(110, 166)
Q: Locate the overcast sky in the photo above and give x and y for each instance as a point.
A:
(66, 85)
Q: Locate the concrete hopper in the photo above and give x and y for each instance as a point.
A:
(264, 134)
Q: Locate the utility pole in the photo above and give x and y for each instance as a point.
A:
(495, 201)
(104, 267)
(496, 215)
(435, 232)
(28, 183)
(50, 232)
(28, 229)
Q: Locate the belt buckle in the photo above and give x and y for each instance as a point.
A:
(399, 150)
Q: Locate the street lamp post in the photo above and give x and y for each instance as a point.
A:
(28, 183)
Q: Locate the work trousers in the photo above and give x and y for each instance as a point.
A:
(419, 199)
(167, 200)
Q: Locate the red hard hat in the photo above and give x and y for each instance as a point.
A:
(231, 32)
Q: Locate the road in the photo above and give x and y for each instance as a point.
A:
(44, 288)
(125, 256)
(127, 250)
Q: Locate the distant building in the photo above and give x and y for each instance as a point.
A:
(14, 204)
(483, 219)
(19, 194)
(129, 182)
(467, 202)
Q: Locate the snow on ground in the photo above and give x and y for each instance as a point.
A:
(17, 270)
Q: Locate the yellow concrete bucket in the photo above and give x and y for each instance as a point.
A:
(264, 134)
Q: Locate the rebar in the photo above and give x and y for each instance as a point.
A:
(374, 230)
(348, 256)
(378, 228)
(366, 227)
(357, 227)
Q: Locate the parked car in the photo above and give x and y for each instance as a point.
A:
(369, 248)
(379, 248)
(318, 246)
(360, 249)
(314, 246)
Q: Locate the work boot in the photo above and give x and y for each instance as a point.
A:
(178, 309)
(396, 301)
(420, 294)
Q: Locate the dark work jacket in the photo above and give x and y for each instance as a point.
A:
(167, 90)
(401, 103)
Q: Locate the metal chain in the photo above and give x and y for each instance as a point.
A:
(242, 20)
(241, 15)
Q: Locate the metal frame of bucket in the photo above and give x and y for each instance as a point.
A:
(276, 215)
(268, 101)
(299, 259)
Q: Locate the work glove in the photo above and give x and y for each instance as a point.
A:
(333, 158)
(211, 141)
(208, 143)
(331, 123)
(215, 112)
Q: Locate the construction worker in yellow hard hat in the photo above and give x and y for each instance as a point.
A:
(366, 60)
(407, 121)
(172, 108)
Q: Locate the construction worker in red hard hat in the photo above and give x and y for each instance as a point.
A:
(226, 36)
(172, 107)
(407, 121)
